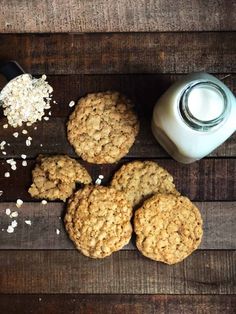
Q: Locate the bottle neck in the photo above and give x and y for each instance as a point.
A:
(203, 106)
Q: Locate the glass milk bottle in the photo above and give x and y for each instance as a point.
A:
(194, 116)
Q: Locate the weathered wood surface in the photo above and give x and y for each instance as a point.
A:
(116, 16)
(144, 90)
(204, 272)
(119, 304)
(219, 227)
(121, 53)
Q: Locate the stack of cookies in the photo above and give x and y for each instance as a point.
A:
(102, 129)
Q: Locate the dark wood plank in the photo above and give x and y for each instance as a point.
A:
(144, 90)
(118, 16)
(121, 53)
(46, 219)
(205, 180)
(204, 272)
(118, 304)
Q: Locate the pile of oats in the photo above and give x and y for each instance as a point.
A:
(25, 99)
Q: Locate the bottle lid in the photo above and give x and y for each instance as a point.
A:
(203, 105)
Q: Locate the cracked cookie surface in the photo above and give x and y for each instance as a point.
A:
(141, 179)
(168, 228)
(98, 221)
(55, 177)
(103, 127)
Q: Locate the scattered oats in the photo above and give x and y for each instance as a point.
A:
(8, 211)
(29, 138)
(41, 145)
(58, 231)
(14, 214)
(25, 98)
(5, 126)
(98, 181)
(15, 134)
(1, 193)
(46, 118)
(2, 229)
(35, 128)
(28, 142)
(50, 113)
(40, 299)
(44, 202)
(24, 163)
(28, 222)
(11, 161)
(8, 144)
(10, 229)
(7, 174)
(4, 153)
(19, 203)
(101, 176)
(59, 218)
(14, 223)
(13, 167)
(24, 131)
(71, 104)
(2, 144)
(23, 156)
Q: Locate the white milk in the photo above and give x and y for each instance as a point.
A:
(194, 116)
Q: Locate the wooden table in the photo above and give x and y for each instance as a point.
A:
(138, 48)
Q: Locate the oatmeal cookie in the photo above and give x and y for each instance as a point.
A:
(141, 179)
(98, 221)
(103, 127)
(55, 177)
(168, 228)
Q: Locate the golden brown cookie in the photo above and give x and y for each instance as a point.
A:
(98, 221)
(168, 228)
(103, 127)
(141, 179)
(55, 177)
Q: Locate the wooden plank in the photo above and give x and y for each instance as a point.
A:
(144, 90)
(118, 16)
(118, 304)
(46, 219)
(121, 52)
(205, 180)
(204, 272)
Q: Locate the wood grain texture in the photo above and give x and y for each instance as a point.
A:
(116, 16)
(204, 272)
(121, 52)
(118, 304)
(47, 218)
(144, 90)
(205, 180)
